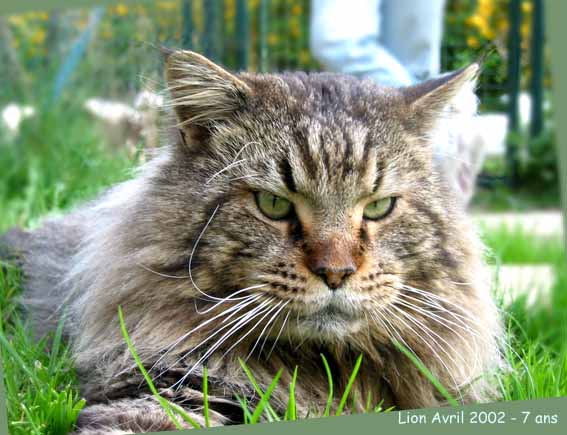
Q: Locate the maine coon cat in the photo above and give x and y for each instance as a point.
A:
(292, 215)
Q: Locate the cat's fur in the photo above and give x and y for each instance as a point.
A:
(168, 245)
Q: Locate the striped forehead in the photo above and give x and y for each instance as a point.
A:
(331, 161)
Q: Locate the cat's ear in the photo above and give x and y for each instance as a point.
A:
(441, 97)
(201, 91)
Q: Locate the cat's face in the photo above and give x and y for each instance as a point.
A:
(315, 192)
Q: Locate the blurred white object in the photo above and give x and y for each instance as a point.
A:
(525, 108)
(148, 100)
(124, 125)
(12, 116)
(546, 223)
(149, 105)
(474, 139)
(534, 282)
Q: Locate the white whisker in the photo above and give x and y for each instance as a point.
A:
(226, 168)
(266, 314)
(426, 342)
(239, 325)
(278, 336)
(272, 322)
(234, 309)
(162, 274)
(231, 298)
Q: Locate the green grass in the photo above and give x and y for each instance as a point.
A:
(52, 168)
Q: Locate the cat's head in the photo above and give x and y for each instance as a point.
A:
(317, 193)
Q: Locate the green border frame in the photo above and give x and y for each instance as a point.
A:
(512, 413)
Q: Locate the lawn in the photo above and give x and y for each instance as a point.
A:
(49, 169)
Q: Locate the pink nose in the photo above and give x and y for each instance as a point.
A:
(334, 278)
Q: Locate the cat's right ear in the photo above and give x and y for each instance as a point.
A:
(202, 92)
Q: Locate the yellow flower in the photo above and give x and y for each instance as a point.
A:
(167, 5)
(481, 23)
(475, 20)
(294, 29)
(273, 39)
(121, 9)
(473, 42)
(38, 37)
(305, 57)
(38, 15)
(485, 8)
(527, 7)
(296, 10)
(17, 20)
(502, 26)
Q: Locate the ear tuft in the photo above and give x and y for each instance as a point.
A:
(453, 92)
(201, 91)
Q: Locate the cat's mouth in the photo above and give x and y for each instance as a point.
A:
(334, 320)
(331, 312)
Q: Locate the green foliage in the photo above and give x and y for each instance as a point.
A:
(539, 171)
(40, 384)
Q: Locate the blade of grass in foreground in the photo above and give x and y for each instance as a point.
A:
(330, 380)
(351, 379)
(291, 412)
(167, 406)
(272, 415)
(206, 397)
(427, 373)
(265, 398)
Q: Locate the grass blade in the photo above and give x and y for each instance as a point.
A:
(206, 397)
(349, 385)
(427, 373)
(291, 412)
(264, 400)
(330, 381)
(167, 406)
(272, 415)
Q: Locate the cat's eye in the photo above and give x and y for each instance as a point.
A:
(379, 209)
(274, 207)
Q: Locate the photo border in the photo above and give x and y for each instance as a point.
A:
(556, 13)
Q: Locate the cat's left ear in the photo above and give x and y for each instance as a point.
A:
(436, 99)
(201, 91)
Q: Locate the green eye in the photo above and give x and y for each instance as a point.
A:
(275, 207)
(379, 209)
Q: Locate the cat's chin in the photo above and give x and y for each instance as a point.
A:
(327, 324)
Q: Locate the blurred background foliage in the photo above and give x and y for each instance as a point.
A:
(122, 57)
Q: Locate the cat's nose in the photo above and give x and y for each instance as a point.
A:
(334, 278)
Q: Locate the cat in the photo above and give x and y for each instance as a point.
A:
(292, 215)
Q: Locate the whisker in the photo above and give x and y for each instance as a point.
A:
(436, 299)
(226, 168)
(162, 274)
(266, 314)
(429, 331)
(255, 313)
(244, 317)
(234, 309)
(278, 336)
(444, 321)
(193, 253)
(272, 322)
(231, 298)
(437, 356)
